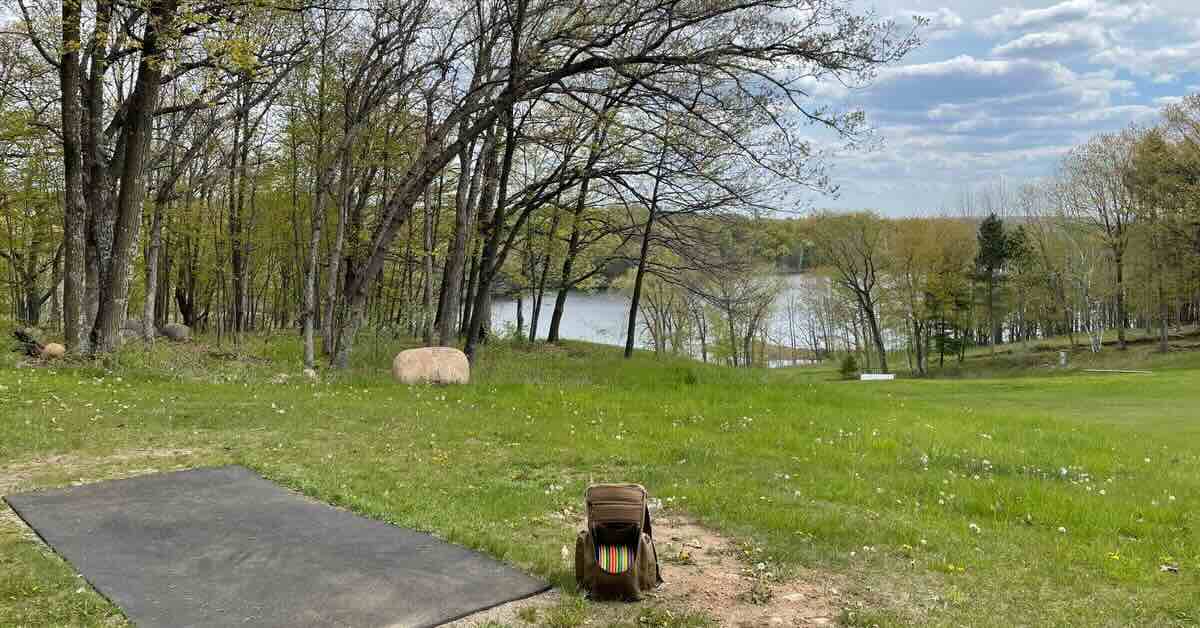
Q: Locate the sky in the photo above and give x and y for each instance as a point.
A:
(1001, 89)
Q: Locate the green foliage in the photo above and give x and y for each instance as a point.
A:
(994, 247)
(848, 368)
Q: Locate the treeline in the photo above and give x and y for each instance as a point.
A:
(1110, 241)
(324, 168)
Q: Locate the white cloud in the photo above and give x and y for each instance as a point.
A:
(1162, 64)
(1012, 18)
(965, 81)
(1003, 92)
(1070, 39)
(968, 66)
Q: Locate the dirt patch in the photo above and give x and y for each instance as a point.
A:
(703, 572)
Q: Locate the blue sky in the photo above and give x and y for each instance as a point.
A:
(1000, 89)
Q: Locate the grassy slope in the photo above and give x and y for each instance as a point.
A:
(808, 471)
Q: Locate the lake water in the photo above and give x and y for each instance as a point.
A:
(602, 317)
(599, 317)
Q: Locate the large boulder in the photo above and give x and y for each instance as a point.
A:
(431, 365)
(176, 332)
(53, 350)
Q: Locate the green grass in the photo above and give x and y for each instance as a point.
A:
(1027, 500)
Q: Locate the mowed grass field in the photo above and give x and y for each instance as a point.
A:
(1040, 499)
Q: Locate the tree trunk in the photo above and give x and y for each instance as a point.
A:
(993, 324)
(152, 258)
(334, 277)
(136, 139)
(564, 285)
(876, 334)
(520, 315)
(469, 292)
(1164, 341)
(75, 209)
(631, 328)
(540, 291)
(310, 282)
(491, 246)
(427, 314)
(733, 349)
(1122, 316)
(456, 257)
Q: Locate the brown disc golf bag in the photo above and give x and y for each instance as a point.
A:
(614, 556)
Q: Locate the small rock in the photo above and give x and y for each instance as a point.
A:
(53, 350)
(793, 597)
(776, 621)
(176, 332)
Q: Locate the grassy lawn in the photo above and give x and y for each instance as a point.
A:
(1022, 500)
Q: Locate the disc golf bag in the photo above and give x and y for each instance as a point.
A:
(614, 556)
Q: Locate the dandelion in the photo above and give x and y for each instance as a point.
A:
(1062, 530)
(974, 528)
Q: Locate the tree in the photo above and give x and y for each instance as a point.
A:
(855, 247)
(994, 251)
(1159, 178)
(633, 44)
(1093, 190)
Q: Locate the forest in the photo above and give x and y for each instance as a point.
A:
(330, 168)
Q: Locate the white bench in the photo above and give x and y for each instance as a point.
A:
(876, 377)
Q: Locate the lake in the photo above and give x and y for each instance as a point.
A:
(601, 317)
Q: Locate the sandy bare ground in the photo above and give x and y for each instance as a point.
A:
(702, 572)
